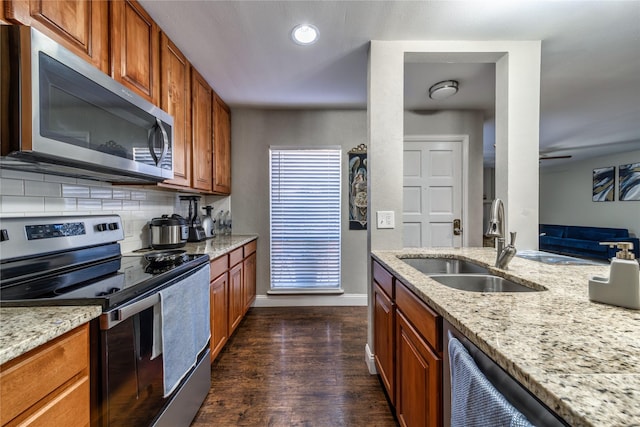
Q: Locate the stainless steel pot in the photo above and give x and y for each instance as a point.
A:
(168, 232)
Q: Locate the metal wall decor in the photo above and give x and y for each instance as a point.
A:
(629, 181)
(603, 184)
(358, 188)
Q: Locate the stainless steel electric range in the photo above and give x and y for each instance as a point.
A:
(152, 302)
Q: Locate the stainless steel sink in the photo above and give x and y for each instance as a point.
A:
(431, 266)
(481, 283)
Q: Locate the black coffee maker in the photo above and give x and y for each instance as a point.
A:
(196, 231)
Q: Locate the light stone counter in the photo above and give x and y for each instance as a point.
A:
(220, 245)
(25, 328)
(582, 359)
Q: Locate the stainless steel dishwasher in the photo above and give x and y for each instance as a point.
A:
(525, 402)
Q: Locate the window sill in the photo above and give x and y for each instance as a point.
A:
(302, 291)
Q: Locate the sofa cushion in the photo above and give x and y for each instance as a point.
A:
(554, 231)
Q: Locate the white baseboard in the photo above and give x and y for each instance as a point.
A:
(369, 360)
(310, 300)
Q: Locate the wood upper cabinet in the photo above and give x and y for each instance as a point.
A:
(135, 49)
(221, 147)
(175, 99)
(202, 132)
(79, 25)
(49, 385)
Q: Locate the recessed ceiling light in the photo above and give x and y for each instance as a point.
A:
(305, 34)
(442, 90)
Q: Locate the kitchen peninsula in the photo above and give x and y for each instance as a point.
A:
(582, 359)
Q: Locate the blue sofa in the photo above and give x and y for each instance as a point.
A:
(584, 241)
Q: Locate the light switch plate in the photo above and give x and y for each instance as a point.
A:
(385, 219)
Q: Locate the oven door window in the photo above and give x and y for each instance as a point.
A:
(133, 386)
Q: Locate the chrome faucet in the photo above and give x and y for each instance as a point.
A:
(496, 229)
(496, 223)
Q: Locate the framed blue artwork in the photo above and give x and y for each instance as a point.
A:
(629, 181)
(604, 184)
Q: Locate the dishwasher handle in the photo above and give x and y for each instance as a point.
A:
(112, 318)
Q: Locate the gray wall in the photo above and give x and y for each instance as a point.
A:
(565, 195)
(458, 123)
(253, 132)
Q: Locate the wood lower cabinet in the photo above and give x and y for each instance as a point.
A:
(79, 25)
(49, 385)
(418, 401)
(249, 267)
(175, 99)
(231, 293)
(218, 290)
(384, 328)
(135, 50)
(236, 296)
(408, 350)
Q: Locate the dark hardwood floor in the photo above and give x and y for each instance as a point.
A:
(301, 366)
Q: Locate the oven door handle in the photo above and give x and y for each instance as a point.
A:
(110, 319)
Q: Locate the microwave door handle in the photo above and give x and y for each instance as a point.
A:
(152, 142)
(165, 141)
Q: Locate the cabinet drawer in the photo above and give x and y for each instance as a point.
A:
(219, 266)
(250, 248)
(235, 257)
(384, 279)
(69, 408)
(426, 321)
(32, 376)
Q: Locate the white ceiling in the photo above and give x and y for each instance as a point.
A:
(590, 76)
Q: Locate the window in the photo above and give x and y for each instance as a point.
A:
(305, 219)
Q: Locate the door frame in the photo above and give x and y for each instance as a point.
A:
(464, 141)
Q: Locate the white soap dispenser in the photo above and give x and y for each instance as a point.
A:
(623, 286)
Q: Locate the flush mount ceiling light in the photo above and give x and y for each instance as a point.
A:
(442, 90)
(305, 34)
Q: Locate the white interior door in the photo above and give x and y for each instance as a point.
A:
(432, 193)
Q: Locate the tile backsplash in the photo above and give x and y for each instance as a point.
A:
(34, 194)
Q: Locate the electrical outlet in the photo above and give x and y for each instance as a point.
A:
(386, 219)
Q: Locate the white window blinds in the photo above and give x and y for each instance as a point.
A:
(305, 218)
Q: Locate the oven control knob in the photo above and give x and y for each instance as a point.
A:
(113, 226)
(102, 227)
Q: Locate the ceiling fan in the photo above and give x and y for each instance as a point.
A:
(543, 157)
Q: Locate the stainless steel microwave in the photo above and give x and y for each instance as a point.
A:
(62, 115)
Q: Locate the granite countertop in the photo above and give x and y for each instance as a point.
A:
(581, 358)
(25, 328)
(217, 246)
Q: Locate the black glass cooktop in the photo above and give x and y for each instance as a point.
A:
(107, 283)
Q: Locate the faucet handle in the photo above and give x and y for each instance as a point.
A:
(513, 238)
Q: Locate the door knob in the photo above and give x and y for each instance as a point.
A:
(457, 229)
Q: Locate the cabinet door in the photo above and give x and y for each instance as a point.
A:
(134, 49)
(383, 338)
(202, 132)
(249, 281)
(418, 376)
(175, 99)
(236, 302)
(79, 25)
(222, 147)
(219, 313)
